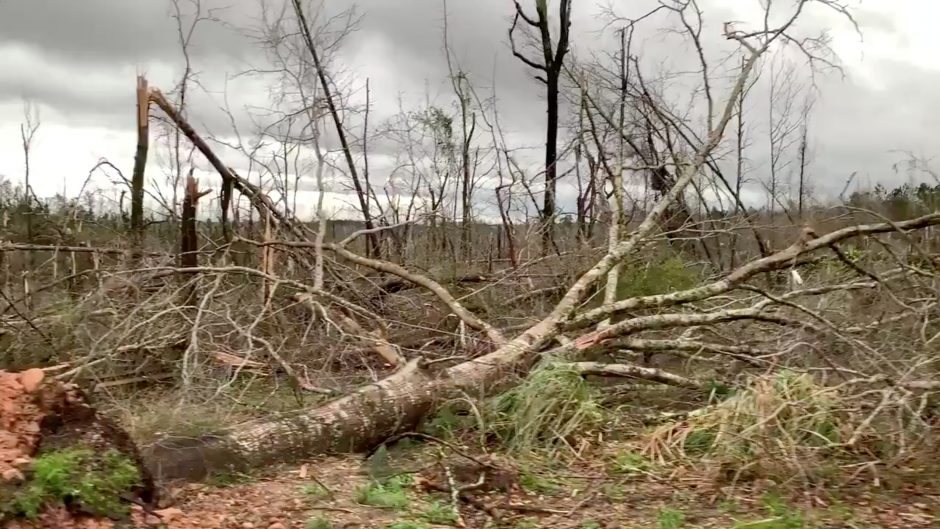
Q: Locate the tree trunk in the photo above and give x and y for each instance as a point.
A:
(352, 423)
(140, 164)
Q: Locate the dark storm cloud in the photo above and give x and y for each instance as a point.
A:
(102, 32)
(79, 57)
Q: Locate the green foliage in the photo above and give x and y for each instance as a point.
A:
(387, 494)
(669, 518)
(782, 516)
(440, 514)
(315, 491)
(590, 524)
(228, 479)
(660, 276)
(77, 476)
(318, 523)
(548, 409)
(538, 484)
(447, 423)
(526, 523)
(630, 462)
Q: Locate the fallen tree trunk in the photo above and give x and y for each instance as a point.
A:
(353, 423)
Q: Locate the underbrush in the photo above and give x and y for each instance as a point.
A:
(788, 424)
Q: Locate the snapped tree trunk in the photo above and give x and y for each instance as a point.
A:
(140, 164)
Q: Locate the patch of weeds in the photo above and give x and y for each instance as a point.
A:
(315, 491)
(526, 523)
(538, 484)
(840, 512)
(669, 518)
(228, 479)
(447, 423)
(717, 391)
(590, 524)
(699, 442)
(782, 516)
(407, 525)
(729, 505)
(776, 423)
(76, 476)
(630, 462)
(440, 514)
(614, 492)
(388, 494)
(318, 523)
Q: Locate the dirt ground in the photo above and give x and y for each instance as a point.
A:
(327, 493)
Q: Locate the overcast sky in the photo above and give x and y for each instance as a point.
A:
(77, 61)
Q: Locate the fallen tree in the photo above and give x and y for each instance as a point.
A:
(378, 411)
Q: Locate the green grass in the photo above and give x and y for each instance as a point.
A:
(538, 484)
(318, 523)
(439, 513)
(76, 476)
(387, 494)
(780, 515)
(315, 491)
(669, 518)
(630, 462)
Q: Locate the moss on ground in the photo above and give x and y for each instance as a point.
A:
(77, 478)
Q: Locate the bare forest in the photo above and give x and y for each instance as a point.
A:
(603, 329)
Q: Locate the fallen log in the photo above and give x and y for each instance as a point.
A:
(353, 423)
(60, 457)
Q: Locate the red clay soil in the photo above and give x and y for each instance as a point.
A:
(20, 419)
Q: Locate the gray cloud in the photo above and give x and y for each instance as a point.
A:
(79, 58)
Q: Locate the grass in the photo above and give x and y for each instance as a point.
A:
(440, 514)
(318, 523)
(315, 491)
(387, 494)
(630, 462)
(76, 476)
(786, 420)
(546, 411)
(669, 518)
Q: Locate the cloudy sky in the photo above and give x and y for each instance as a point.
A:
(76, 63)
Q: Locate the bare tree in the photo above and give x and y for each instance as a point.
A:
(362, 193)
(550, 65)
